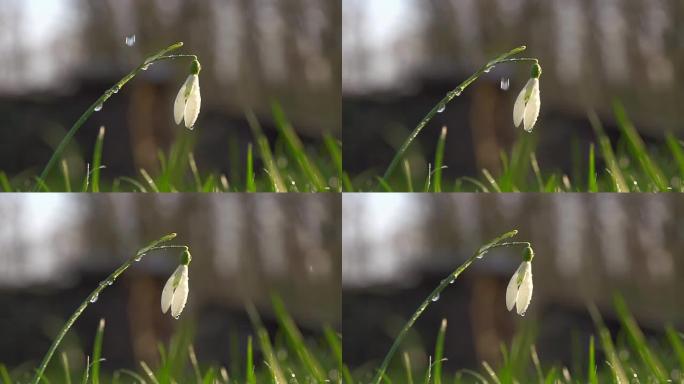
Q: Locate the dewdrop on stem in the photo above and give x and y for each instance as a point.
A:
(528, 102)
(519, 291)
(175, 292)
(188, 100)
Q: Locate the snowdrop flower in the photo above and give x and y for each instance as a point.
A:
(188, 101)
(519, 291)
(526, 107)
(175, 292)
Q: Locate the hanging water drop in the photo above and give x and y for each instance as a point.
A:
(145, 67)
(435, 297)
(130, 40)
(523, 313)
(176, 317)
(115, 89)
(505, 83)
(488, 69)
(138, 258)
(94, 298)
(441, 108)
(479, 255)
(98, 108)
(452, 280)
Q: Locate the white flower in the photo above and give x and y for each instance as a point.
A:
(188, 101)
(519, 291)
(175, 292)
(526, 107)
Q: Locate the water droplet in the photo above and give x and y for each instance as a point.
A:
(435, 297)
(130, 40)
(98, 108)
(452, 280)
(523, 314)
(145, 67)
(505, 83)
(176, 317)
(488, 69)
(115, 89)
(441, 108)
(94, 298)
(479, 256)
(138, 258)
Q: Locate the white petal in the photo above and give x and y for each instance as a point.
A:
(519, 107)
(512, 289)
(179, 104)
(532, 106)
(169, 287)
(525, 290)
(180, 295)
(192, 105)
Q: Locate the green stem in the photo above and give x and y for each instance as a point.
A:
(94, 295)
(450, 96)
(98, 103)
(496, 243)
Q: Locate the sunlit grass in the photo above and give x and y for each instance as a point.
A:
(626, 165)
(284, 356)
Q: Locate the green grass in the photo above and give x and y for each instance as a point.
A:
(625, 356)
(285, 355)
(283, 165)
(626, 165)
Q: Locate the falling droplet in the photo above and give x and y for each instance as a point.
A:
(505, 83)
(98, 108)
(435, 297)
(130, 40)
(441, 108)
(94, 298)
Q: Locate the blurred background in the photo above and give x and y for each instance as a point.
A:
(58, 56)
(398, 247)
(56, 248)
(400, 57)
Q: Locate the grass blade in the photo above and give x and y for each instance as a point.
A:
(439, 157)
(591, 176)
(296, 341)
(407, 175)
(4, 374)
(4, 182)
(591, 368)
(677, 344)
(638, 148)
(84, 379)
(439, 352)
(97, 160)
(265, 344)
(336, 348)
(333, 147)
(638, 341)
(676, 148)
(296, 148)
(265, 152)
(249, 175)
(249, 373)
(65, 176)
(608, 154)
(65, 366)
(97, 352)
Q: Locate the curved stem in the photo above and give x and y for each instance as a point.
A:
(92, 297)
(98, 104)
(442, 104)
(496, 243)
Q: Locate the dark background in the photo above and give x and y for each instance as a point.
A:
(401, 57)
(59, 56)
(56, 248)
(398, 247)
